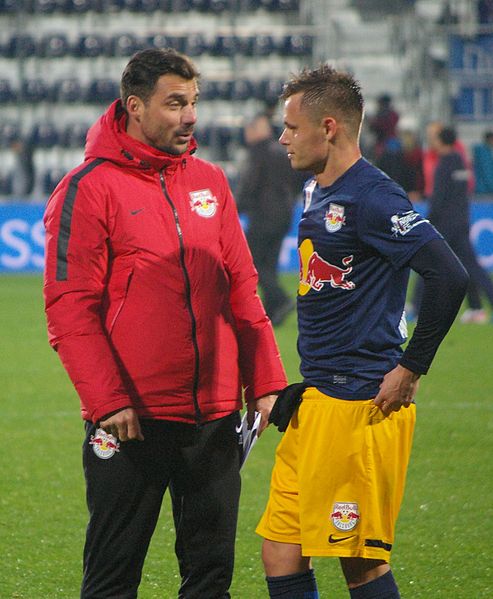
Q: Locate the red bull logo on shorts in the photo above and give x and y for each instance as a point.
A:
(104, 445)
(203, 202)
(315, 272)
(345, 516)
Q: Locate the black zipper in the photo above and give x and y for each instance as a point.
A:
(188, 297)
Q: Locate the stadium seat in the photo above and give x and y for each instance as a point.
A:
(9, 131)
(243, 89)
(102, 91)
(68, 90)
(195, 44)
(51, 178)
(296, 45)
(44, 135)
(54, 45)
(288, 4)
(160, 40)
(20, 46)
(90, 46)
(217, 6)
(203, 135)
(224, 89)
(34, 90)
(80, 6)
(11, 6)
(124, 44)
(269, 90)
(74, 135)
(46, 7)
(7, 93)
(6, 180)
(224, 45)
(263, 45)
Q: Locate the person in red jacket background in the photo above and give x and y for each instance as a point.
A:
(151, 304)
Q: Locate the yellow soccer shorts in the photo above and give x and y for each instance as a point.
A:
(339, 477)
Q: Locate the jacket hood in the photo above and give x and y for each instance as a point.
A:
(108, 139)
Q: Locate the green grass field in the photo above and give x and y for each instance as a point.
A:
(445, 531)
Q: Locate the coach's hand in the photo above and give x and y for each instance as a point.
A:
(124, 425)
(398, 389)
(264, 406)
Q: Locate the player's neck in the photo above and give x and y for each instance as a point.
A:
(337, 164)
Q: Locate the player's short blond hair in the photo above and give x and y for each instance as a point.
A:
(328, 92)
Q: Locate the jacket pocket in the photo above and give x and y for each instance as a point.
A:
(118, 289)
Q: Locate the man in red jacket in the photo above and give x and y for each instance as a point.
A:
(151, 304)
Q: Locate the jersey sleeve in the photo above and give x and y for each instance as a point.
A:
(388, 222)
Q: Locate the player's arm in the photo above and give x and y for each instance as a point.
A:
(445, 284)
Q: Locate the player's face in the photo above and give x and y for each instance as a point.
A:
(167, 120)
(305, 140)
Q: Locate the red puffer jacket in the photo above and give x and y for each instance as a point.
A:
(150, 289)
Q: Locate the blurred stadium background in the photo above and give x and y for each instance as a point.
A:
(60, 63)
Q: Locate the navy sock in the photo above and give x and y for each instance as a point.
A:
(383, 587)
(302, 585)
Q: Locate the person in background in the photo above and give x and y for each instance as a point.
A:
(340, 468)
(24, 171)
(151, 304)
(483, 164)
(412, 180)
(449, 213)
(384, 123)
(266, 194)
(431, 157)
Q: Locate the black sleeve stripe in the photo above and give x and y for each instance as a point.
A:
(378, 543)
(66, 219)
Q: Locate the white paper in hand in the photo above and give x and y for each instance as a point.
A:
(248, 436)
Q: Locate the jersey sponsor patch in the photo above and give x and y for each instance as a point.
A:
(403, 223)
(315, 272)
(334, 218)
(104, 445)
(203, 203)
(345, 516)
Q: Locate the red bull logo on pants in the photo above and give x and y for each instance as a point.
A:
(315, 272)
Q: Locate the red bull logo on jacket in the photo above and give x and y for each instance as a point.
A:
(104, 445)
(315, 272)
(345, 516)
(203, 202)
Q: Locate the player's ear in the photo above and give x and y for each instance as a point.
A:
(330, 127)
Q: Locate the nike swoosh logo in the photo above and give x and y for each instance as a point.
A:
(238, 428)
(333, 539)
(134, 212)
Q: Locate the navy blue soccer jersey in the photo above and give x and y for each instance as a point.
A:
(356, 238)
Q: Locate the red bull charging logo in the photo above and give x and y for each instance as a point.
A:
(203, 202)
(315, 272)
(104, 444)
(345, 516)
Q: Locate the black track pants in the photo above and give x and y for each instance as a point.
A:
(124, 495)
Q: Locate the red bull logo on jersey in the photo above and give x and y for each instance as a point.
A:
(203, 202)
(345, 516)
(315, 272)
(104, 445)
(334, 218)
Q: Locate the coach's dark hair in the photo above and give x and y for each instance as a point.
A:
(326, 90)
(147, 66)
(447, 136)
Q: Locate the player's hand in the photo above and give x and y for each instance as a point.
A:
(398, 389)
(264, 406)
(124, 425)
